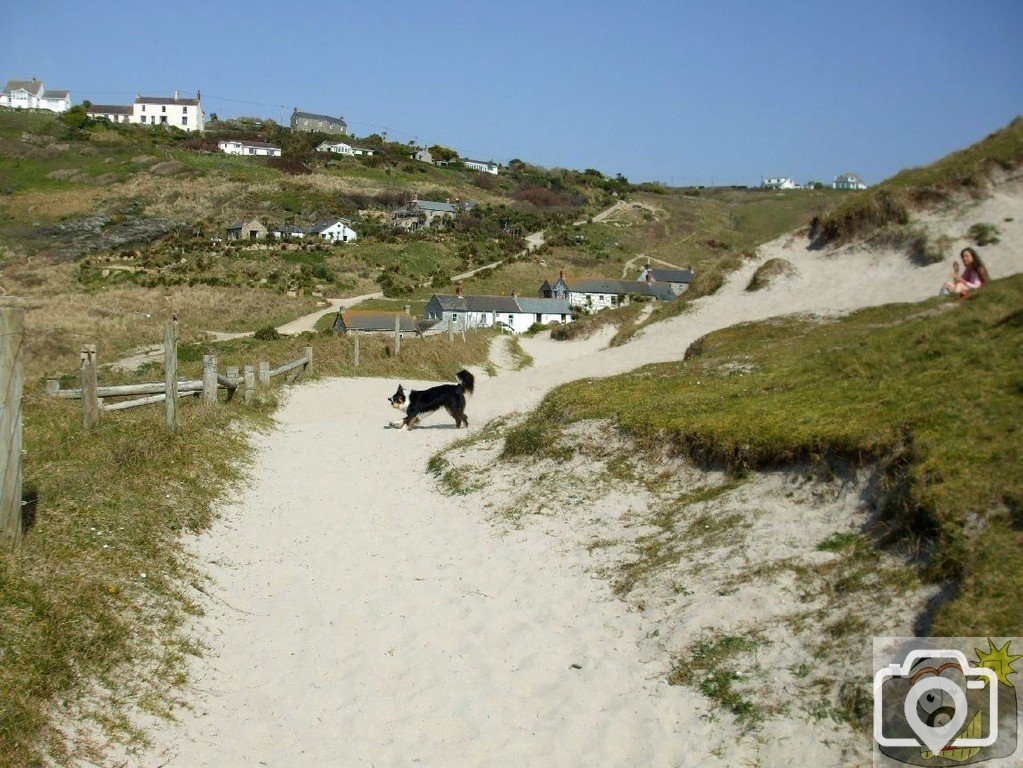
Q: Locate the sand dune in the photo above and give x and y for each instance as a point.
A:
(357, 616)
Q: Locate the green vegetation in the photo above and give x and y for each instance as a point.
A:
(983, 234)
(770, 271)
(883, 385)
(967, 171)
(584, 326)
(99, 587)
(714, 666)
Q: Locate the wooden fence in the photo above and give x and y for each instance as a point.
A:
(12, 384)
(94, 397)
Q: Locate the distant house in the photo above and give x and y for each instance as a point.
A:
(312, 123)
(598, 293)
(247, 230)
(113, 112)
(423, 156)
(423, 214)
(340, 148)
(185, 114)
(334, 230)
(848, 181)
(31, 94)
(482, 166)
(248, 148)
(678, 280)
(779, 182)
(517, 313)
(370, 321)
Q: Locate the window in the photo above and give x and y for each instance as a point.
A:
(184, 119)
(163, 108)
(143, 118)
(143, 107)
(184, 110)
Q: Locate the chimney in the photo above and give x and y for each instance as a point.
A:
(198, 95)
(458, 290)
(649, 277)
(561, 274)
(515, 294)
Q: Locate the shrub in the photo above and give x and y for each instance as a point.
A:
(266, 333)
(983, 234)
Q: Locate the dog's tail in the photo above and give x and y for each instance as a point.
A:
(466, 380)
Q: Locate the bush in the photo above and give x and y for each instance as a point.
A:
(983, 234)
(266, 333)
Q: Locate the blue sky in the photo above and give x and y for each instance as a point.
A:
(684, 92)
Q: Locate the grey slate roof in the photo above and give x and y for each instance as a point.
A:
(32, 86)
(504, 304)
(109, 109)
(166, 100)
(368, 320)
(618, 287)
(312, 116)
(543, 306)
(323, 224)
(672, 275)
(48, 94)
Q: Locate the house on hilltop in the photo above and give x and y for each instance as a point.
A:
(482, 166)
(185, 114)
(248, 148)
(113, 112)
(313, 123)
(598, 293)
(848, 181)
(778, 182)
(31, 94)
(340, 148)
(423, 156)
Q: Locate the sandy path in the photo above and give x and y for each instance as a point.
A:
(375, 621)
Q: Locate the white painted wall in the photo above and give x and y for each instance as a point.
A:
(184, 116)
(241, 148)
(339, 233)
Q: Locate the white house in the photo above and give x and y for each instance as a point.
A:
(340, 148)
(515, 312)
(248, 148)
(334, 230)
(30, 94)
(185, 114)
(482, 166)
(113, 112)
(779, 182)
(423, 156)
(593, 294)
(848, 181)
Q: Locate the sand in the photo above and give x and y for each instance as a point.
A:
(357, 616)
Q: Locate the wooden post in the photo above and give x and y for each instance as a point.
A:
(357, 349)
(12, 382)
(264, 374)
(308, 359)
(52, 387)
(209, 379)
(170, 372)
(250, 383)
(397, 335)
(451, 331)
(90, 397)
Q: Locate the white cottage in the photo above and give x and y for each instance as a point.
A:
(185, 114)
(513, 312)
(340, 148)
(334, 230)
(31, 94)
(482, 166)
(778, 182)
(848, 181)
(596, 293)
(248, 148)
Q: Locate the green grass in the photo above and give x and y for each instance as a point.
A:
(933, 392)
(114, 504)
(714, 666)
(891, 202)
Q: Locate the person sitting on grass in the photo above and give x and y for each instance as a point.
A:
(973, 276)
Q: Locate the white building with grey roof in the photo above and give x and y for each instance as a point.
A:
(182, 113)
(32, 94)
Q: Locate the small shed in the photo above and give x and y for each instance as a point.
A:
(247, 230)
(371, 321)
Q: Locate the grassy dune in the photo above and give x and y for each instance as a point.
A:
(933, 392)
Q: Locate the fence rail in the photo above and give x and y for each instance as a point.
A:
(172, 388)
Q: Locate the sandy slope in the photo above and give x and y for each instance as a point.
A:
(359, 617)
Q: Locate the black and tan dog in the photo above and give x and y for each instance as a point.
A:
(449, 396)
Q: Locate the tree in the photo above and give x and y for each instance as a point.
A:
(442, 153)
(76, 117)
